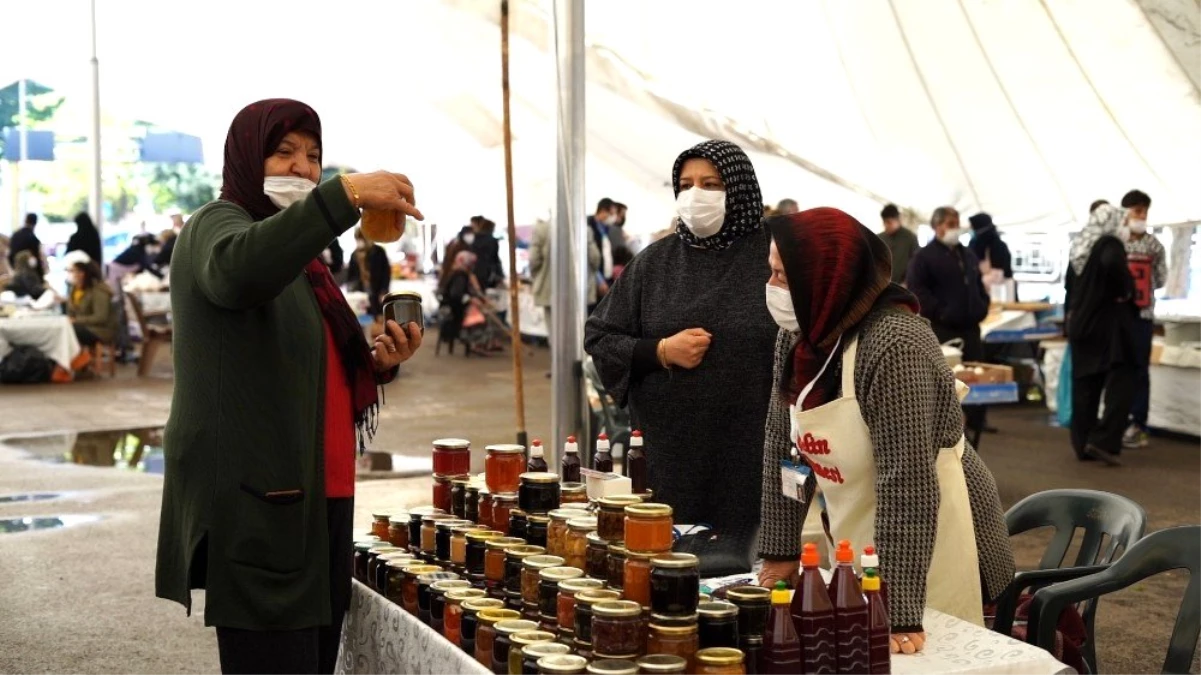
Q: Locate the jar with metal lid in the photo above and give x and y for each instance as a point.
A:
(398, 531)
(416, 521)
(573, 493)
(705, 597)
(565, 601)
(584, 602)
(718, 624)
(538, 492)
(458, 546)
(373, 562)
(441, 492)
(611, 519)
(519, 525)
(616, 629)
(428, 530)
(485, 634)
(360, 556)
(596, 559)
(548, 591)
(675, 584)
(494, 559)
(636, 578)
(662, 664)
(648, 528)
(424, 599)
(617, 565)
(562, 664)
(442, 532)
(503, 506)
(622, 666)
(485, 509)
(471, 504)
(720, 661)
(514, 558)
(556, 533)
(477, 546)
(452, 456)
(503, 467)
(504, 639)
(471, 621)
(536, 530)
(408, 589)
(752, 650)
(458, 496)
(518, 643)
(452, 622)
(678, 638)
(531, 570)
(531, 653)
(576, 544)
(754, 608)
(379, 524)
(438, 591)
(403, 307)
(394, 568)
(387, 562)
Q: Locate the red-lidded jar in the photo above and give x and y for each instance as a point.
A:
(452, 456)
(503, 467)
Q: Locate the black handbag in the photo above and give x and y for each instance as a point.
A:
(25, 365)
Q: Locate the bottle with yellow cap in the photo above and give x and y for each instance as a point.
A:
(878, 627)
(850, 613)
(781, 646)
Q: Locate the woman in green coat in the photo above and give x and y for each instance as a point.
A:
(275, 388)
(90, 307)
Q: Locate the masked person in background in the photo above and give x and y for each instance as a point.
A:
(1148, 262)
(274, 382)
(679, 341)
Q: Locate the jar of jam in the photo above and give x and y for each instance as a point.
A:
(675, 638)
(562, 664)
(385, 563)
(428, 531)
(616, 629)
(441, 491)
(623, 666)
(596, 560)
(408, 589)
(373, 562)
(505, 630)
(584, 601)
(752, 651)
(538, 492)
(518, 643)
(485, 512)
(754, 608)
(720, 661)
(514, 563)
(611, 519)
(398, 531)
(477, 546)
(531, 570)
(379, 525)
(537, 530)
(452, 456)
(556, 533)
(717, 624)
(519, 525)
(675, 584)
(636, 578)
(548, 591)
(458, 546)
(360, 557)
(442, 533)
(648, 528)
(494, 558)
(662, 664)
(576, 543)
(503, 467)
(503, 506)
(565, 601)
(531, 653)
(395, 570)
(471, 620)
(573, 493)
(458, 497)
(452, 614)
(617, 566)
(485, 633)
(471, 504)
(416, 521)
(438, 591)
(424, 599)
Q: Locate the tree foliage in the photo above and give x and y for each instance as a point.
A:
(39, 105)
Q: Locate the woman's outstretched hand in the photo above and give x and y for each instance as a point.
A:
(779, 570)
(393, 347)
(385, 191)
(906, 643)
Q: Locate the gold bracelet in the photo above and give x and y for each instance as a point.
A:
(663, 354)
(354, 194)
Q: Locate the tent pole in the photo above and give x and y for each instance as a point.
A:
(514, 280)
(97, 194)
(23, 127)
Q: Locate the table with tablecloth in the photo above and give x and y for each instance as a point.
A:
(51, 335)
(380, 637)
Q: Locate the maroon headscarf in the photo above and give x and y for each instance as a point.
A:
(254, 134)
(838, 272)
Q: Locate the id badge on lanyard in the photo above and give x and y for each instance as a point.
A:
(795, 474)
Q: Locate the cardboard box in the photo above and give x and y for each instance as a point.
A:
(984, 373)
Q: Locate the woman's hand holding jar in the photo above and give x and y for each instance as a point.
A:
(394, 346)
(382, 190)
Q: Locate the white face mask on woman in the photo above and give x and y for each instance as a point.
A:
(703, 211)
(779, 303)
(284, 191)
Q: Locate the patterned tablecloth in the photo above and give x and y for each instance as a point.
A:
(379, 637)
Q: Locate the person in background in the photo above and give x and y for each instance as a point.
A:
(679, 341)
(1102, 334)
(787, 207)
(26, 280)
(488, 268)
(540, 271)
(5, 267)
(996, 264)
(622, 243)
(1149, 269)
(370, 272)
(901, 242)
(168, 237)
(460, 292)
(460, 243)
(90, 305)
(86, 238)
(599, 224)
(138, 257)
(1069, 276)
(25, 239)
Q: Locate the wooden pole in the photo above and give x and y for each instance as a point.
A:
(514, 281)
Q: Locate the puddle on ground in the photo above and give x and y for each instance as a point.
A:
(14, 525)
(129, 449)
(29, 497)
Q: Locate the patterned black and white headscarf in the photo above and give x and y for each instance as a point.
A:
(744, 201)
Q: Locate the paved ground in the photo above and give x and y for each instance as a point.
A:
(80, 599)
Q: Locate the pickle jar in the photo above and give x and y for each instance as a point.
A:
(531, 653)
(408, 588)
(538, 492)
(416, 522)
(485, 509)
(428, 535)
(452, 456)
(596, 560)
(584, 602)
(438, 591)
(485, 633)
(386, 564)
(617, 566)
(611, 519)
(537, 530)
(616, 630)
(548, 591)
(518, 643)
(648, 528)
(565, 603)
(573, 493)
(531, 571)
(662, 664)
(441, 491)
(636, 578)
(625, 666)
(720, 661)
(503, 506)
(458, 497)
(471, 504)
(556, 533)
(514, 564)
(675, 637)
(562, 664)
(503, 467)
(424, 596)
(442, 535)
(576, 547)
(717, 624)
(505, 630)
(754, 608)
(471, 621)
(398, 531)
(379, 525)
(452, 614)
(675, 584)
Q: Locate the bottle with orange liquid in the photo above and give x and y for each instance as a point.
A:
(850, 613)
(878, 627)
(383, 226)
(813, 617)
(781, 646)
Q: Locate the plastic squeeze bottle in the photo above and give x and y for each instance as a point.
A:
(850, 613)
(603, 460)
(636, 464)
(813, 617)
(536, 461)
(569, 464)
(870, 561)
(781, 646)
(878, 627)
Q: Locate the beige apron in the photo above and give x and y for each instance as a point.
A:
(837, 445)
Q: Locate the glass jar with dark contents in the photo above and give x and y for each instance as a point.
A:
(408, 588)
(452, 615)
(531, 653)
(458, 497)
(471, 621)
(519, 525)
(458, 547)
(514, 562)
(575, 549)
(441, 491)
(562, 664)
(537, 530)
(616, 629)
(416, 518)
(438, 591)
(617, 566)
(471, 504)
(752, 649)
(675, 584)
(662, 664)
(485, 512)
(360, 557)
(539, 492)
(548, 591)
(452, 456)
(596, 560)
(518, 643)
(673, 636)
(584, 601)
(504, 639)
(531, 570)
(754, 608)
(573, 493)
(373, 563)
(565, 602)
(485, 633)
(622, 666)
(503, 506)
(442, 534)
(503, 467)
(720, 661)
(494, 563)
(428, 535)
(399, 560)
(718, 624)
(611, 519)
(424, 597)
(477, 542)
(395, 570)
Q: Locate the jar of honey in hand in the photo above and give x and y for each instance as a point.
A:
(383, 226)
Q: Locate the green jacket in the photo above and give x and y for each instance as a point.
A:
(243, 445)
(95, 311)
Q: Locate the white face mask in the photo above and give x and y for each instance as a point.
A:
(703, 211)
(469, 239)
(951, 237)
(284, 191)
(1138, 226)
(779, 303)
(609, 220)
